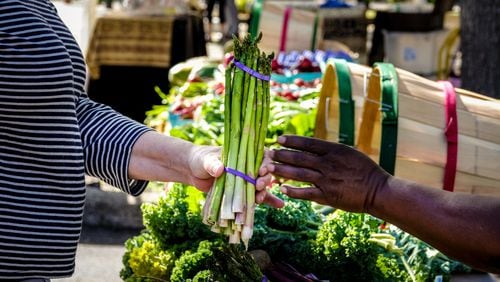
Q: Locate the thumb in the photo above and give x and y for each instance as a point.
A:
(213, 165)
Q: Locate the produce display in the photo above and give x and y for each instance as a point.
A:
(303, 241)
(300, 242)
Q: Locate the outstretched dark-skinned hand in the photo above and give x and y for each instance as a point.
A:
(341, 176)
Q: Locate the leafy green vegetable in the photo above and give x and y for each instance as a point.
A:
(193, 89)
(144, 261)
(292, 117)
(426, 261)
(192, 262)
(342, 243)
(177, 246)
(205, 276)
(173, 221)
(344, 246)
(287, 234)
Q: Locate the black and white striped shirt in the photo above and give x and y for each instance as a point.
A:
(51, 134)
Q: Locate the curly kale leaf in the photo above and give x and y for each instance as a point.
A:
(390, 269)
(192, 262)
(143, 261)
(296, 215)
(175, 221)
(218, 261)
(205, 276)
(347, 253)
(287, 234)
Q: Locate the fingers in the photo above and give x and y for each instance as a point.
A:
(265, 161)
(307, 193)
(203, 185)
(307, 144)
(269, 199)
(263, 182)
(296, 158)
(295, 173)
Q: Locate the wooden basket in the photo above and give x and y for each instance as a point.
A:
(421, 153)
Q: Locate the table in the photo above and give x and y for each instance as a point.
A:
(129, 55)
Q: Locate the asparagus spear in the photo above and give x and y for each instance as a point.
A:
(260, 130)
(215, 195)
(248, 106)
(235, 135)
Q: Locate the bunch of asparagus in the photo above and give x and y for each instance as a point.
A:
(230, 204)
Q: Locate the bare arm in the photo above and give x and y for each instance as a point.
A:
(463, 226)
(163, 158)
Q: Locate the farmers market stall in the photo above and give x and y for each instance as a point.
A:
(303, 241)
(129, 54)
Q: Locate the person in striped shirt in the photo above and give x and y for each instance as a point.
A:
(52, 134)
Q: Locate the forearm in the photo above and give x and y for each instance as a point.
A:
(158, 157)
(462, 226)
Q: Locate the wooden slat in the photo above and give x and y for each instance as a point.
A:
(432, 176)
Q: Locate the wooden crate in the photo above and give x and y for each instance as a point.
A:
(422, 146)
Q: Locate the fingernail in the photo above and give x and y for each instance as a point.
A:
(281, 139)
(260, 199)
(214, 167)
(271, 153)
(270, 168)
(283, 190)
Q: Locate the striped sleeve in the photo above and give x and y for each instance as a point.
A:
(108, 138)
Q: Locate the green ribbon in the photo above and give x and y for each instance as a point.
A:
(389, 108)
(346, 103)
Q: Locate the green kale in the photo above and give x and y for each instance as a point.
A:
(390, 268)
(205, 276)
(216, 261)
(175, 222)
(425, 261)
(143, 261)
(287, 234)
(192, 262)
(343, 245)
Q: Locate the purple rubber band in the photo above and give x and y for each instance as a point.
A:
(250, 71)
(241, 174)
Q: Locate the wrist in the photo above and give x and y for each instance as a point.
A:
(179, 158)
(158, 157)
(379, 193)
